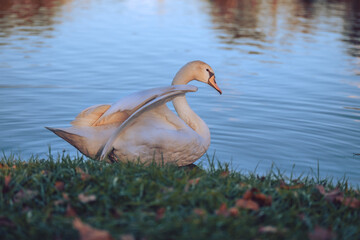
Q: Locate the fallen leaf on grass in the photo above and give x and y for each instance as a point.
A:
(4, 221)
(256, 196)
(160, 213)
(222, 210)
(7, 180)
(351, 202)
(225, 212)
(200, 212)
(247, 204)
(333, 196)
(87, 232)
(127, 237)
(224, 174)
(194, 181)
(283, 185)
(268, 229)
(336, 196)
(233, 211)
(70, 212)
(84, 175)
(59, 185)
(86, 198)
(320, 233)
(5, 166)
(25, 195)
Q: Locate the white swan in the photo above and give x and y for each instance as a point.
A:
(141, 126)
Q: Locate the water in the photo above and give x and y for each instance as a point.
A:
(289, 71)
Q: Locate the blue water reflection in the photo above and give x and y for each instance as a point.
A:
(289, 71)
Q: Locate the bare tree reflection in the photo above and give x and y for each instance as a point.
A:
(23, 13)
(261, 20)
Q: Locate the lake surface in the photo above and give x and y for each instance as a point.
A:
(289, 71)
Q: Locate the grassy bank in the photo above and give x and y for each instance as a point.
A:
(74, 198)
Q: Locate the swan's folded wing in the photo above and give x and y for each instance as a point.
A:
(163, 96)
(90, 115)
(124, 108)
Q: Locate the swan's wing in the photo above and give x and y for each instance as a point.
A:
(124, 108)
(166, 95)
(90, 115)
(118, 112)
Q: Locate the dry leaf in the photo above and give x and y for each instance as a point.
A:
(87, 232)
(194, 181)
(351, 202)
(262, 199)
(268, 229)
(24, 195)
(86, 198)
(234, 212)
(222, 211)
(224, 174)
(247, 204)
(333, 196)
(7, 181)
(70, 212)
(249, 193)
(127, 237)
(283, 185)
(320, 233)
(160, 213)
(59, 185)
(84, 176)
(200, 212)
(5, 166)
(4, 221)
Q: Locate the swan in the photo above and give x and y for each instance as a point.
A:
(141, 127)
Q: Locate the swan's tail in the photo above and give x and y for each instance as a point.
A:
(79, 140)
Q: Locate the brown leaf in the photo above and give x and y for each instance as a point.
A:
(248, 194)
(25, 195)
(320, 233)
(7, 181)
(87, 232)
(5, 221)
(70, 212)
(160, 213)
(222, 211)
(59, 185)
(283, 185)
(86, 198)
(127, 237)
(234, 212)
(200, 212)
(262, 199)
(351, 202)
(333, 196)
(268, 229)
(6, 167)
(84, 176)
(224, 174)
(247, 204)
(194, 181)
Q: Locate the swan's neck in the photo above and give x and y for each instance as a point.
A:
(185, 112)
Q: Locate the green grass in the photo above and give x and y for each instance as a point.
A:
(166, 202)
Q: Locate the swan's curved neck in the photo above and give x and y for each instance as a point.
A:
(184, 110)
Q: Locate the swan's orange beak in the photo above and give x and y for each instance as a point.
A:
(212, 83)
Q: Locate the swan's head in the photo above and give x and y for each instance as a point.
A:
(197, 70)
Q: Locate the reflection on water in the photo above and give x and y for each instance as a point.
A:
(290, 72)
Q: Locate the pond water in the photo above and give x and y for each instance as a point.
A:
(289, 71)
